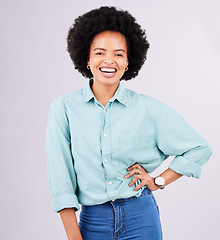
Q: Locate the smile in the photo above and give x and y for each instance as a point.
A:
(107, 70)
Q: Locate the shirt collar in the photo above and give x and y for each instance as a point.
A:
(120, 94)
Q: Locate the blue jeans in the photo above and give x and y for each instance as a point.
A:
(134, 218)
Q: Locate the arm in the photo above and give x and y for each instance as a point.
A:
(70, 224)
(169, 175)
(175, 137)
(61, 171)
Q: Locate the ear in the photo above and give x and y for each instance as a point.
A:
(127, 62)
(88, 60)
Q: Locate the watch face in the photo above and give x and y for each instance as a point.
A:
(159, 181)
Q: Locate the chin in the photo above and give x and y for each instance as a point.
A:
(109, 81)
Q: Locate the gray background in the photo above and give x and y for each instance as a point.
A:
(182, 70)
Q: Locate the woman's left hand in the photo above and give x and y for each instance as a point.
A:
(145, 178)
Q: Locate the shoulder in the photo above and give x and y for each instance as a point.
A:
(63, 101)
(145, 100)
(150, 106)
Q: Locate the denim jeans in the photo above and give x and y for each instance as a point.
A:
(134, 218)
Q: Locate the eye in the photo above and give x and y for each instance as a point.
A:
(119, 55)
(99, 53)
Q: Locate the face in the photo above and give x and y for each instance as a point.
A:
(108, 57)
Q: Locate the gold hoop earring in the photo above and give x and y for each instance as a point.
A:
(126, 69)
(88, 67)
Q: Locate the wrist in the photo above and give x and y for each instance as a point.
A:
(160, 182)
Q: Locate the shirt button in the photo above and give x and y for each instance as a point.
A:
(105, 135)
(110, 183)
(104, 111)
(106, 160)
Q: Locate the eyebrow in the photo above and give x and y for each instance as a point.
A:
(117, 50)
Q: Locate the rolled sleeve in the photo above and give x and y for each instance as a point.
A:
(176, 137)
(60, 162)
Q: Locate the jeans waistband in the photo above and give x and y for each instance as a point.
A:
(145, 191)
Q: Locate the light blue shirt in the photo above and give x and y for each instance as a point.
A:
(89, 146)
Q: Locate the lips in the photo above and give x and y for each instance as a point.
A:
(108, 69)
(108, 72)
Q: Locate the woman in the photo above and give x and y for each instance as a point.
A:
(103, 140)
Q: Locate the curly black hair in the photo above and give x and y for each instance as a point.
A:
(85, 27)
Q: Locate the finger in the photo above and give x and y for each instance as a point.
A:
(136, 177)
(132, 172)
(136, 165)
(138, 186)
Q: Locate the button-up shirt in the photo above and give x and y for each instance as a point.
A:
(89, 146)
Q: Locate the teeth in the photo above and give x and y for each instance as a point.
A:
(110, 70)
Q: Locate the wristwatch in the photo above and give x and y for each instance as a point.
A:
(160, 181)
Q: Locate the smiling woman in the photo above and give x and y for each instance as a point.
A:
(104, 140)
(107, 60)
(86, 27)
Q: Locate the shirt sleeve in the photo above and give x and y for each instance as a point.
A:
(176, 137)
(60, 162)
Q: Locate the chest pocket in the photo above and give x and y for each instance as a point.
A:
(137, 148)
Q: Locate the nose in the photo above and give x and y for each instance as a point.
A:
(109, 61)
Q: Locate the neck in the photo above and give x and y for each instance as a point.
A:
(104, 92)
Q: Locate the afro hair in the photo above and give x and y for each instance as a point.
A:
(85, 27)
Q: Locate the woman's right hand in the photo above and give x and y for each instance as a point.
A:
(70, 223)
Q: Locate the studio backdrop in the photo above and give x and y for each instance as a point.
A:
(182, 70)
